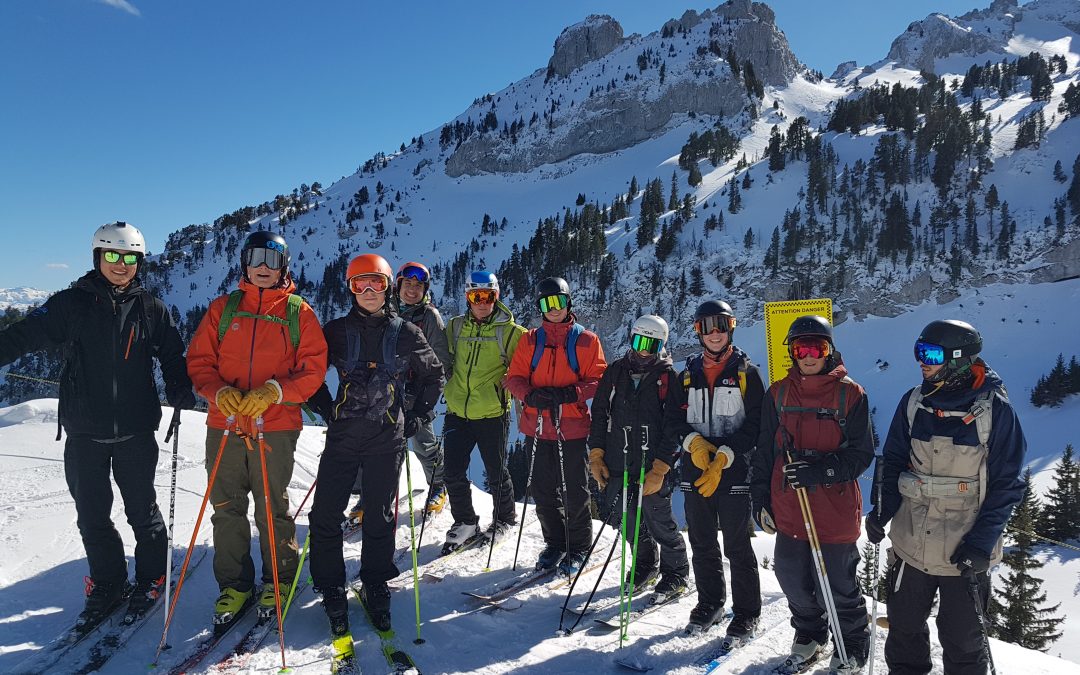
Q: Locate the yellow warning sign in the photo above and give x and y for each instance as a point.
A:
(778, 319)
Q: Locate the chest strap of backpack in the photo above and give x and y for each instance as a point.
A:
(839, 414)
(458, 322)
(389, 347)
(981, 412)
(291, 320)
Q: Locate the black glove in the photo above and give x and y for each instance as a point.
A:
(875, 529)
(181, 397)
(412, 425)
(541, 398)
(763, 517)
(322, 404)
(564, 394)
(970, 560)
(803, 474)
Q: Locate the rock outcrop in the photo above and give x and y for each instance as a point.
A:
(589, 40)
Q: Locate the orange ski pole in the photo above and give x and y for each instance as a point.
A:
(273, 538)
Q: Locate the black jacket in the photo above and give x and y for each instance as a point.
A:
(107, 385)
(618, 404)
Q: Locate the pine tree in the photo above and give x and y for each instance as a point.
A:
(734, 198)
(694, 179)
(1015, 607)
(1061, 516)
(868, 573)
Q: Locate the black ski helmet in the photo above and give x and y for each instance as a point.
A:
(810, 325)
(553, 286)
(715, 308)
(263, 239)
(958, 338)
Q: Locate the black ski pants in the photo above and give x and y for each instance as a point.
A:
(796, 572)
(489, 435)
(547, 493)
(706, 519)
(133, 462)
(911, 595)
(379, 450)
(658, 528)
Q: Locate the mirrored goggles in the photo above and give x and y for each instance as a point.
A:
(810, 348)
(256, 257)
(929, 354)
(363, 283)
(644, 343)
(117, 256)
(708, 324)
(481, 296)
(552, 302)
(414, 272)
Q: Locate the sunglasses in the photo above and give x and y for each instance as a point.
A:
(810, 348)
(362, 283)
(643, 343)
(116, 256)
(708, 324)
(549, 303)
(929, 354)
(257, 257)
(417, 273)
(481, 296)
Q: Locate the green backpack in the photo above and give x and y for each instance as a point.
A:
(292, 316)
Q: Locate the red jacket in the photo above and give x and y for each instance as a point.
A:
(554, 371)
(254, 351)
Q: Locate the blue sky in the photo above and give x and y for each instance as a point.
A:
(168, 113)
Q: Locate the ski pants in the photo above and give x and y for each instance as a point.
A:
(658, 528)
(460, 435)
(428, 449)
(796, 572)
(133, 462)
(240, 474)
(706, 519)
(556, 514)
(353, 444)
(910, 597)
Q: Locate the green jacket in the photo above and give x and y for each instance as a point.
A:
(480, 353)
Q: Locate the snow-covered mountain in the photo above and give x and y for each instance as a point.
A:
(22, 297)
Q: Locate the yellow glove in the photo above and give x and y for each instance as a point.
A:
(259, 399)
(710, 479)
(701, 450)
(597, 467)
(228, 400)
(654, 480)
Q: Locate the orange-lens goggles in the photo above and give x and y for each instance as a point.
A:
(481, 296)
(810, 348)
(363, 283)
(708, 324)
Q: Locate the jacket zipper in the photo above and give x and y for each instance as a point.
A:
(115, 334)
(344, 397)
(254, 327)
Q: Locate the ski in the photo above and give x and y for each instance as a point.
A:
(396, 657)
(505, 590)
(441, 564)
(611, 623)
(564, 581)
(250, 642)
(342, 656)
(712, 661)
(603, 607)
(211, 642)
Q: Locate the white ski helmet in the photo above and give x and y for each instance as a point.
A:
(119, 236)
(652, 326)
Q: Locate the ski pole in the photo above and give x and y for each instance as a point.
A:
(976, 600)
(498, 492)
(600, 577)
(879, 469)
(622, 527)
(624, 619)
(434, 472)
(562, 475)
(296, 577)
(412, 543)
(194, 533)
(304, 500)
(273, 539)
(174, 433)
(528, 483)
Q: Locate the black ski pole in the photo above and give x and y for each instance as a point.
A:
(174, 433)
(562, 475)
(434, 472)
(879, 468)
(592, 593)
(976, 600)
(528, 483)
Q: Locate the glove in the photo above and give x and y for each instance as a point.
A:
(541, 398)
(183, 398)
(654, 480)
(802, 474)
(259, 399)
(228, 400)
(875, 529)
(566, 394)
(322, 403)
(412, 425)
(765, 520)
(970, 560)
(598, 468)
(701, 451)
(710, 478)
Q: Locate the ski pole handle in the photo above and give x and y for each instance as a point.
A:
(174, 424)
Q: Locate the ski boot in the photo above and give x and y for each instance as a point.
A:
(857, 655)
(496, 529)
(740, 631)
(376, 600)
(642, 579)
(669, 587)
(436, 499)
(268, 603)
(702, 617)
(336, 604)
(549, 557)
(143, 597)
(458, 534)
(356, 514)
(230, 604)
(572, 563)
(805, 651)
(101, 599)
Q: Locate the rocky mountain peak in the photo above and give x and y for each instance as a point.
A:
(586, 41)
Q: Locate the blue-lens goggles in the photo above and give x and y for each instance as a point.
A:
(929, 354)
(417, 273)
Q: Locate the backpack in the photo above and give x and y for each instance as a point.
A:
(838, 413)
(981, 412)
(741, 376)
(291, 320)
(456, 324)
(572, 336)
(389, 346)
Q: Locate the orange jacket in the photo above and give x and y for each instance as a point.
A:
(554, 371)
(254, 351)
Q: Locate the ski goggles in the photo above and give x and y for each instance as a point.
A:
(810, 348)
(481, 296)
(362, 283)
(929, 354)
(644, 343)
(708, 324)
(118, 256)
(257, 257)
(550, 303)
(416, 273)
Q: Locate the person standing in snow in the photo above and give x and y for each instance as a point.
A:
(259, 352)
(481, 343)
(374, 351)
(714, 416)
(815, 436)
(111, 329)
(554, 372)
(950, 480)
(628, 424)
